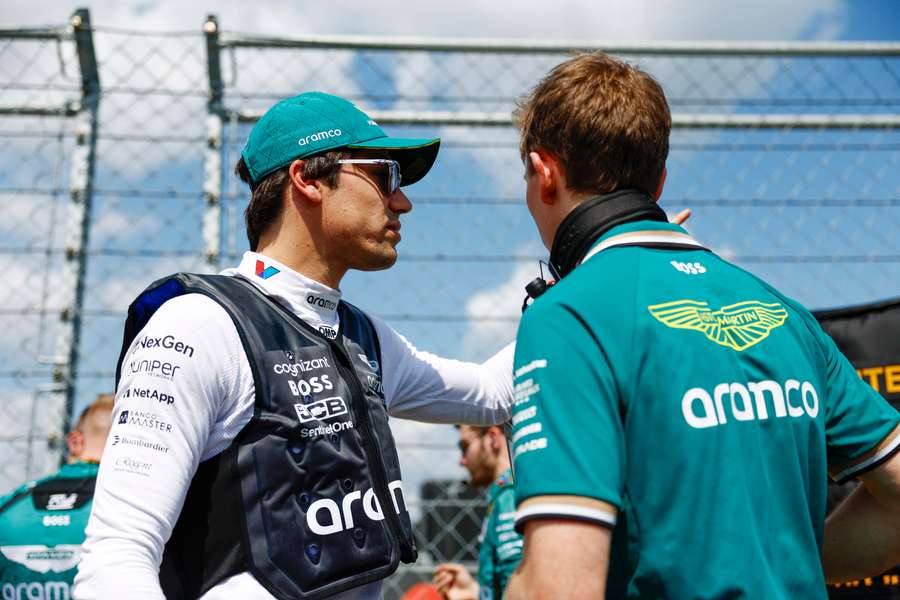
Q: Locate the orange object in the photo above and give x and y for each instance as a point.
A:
(421, 591)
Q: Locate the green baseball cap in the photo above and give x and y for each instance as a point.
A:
(315, 122)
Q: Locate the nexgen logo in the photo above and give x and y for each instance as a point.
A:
(325, 516)
(321, 410)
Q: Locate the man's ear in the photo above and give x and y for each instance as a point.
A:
(307, 188)
(75, 442)
(546, 168)
(662, 183)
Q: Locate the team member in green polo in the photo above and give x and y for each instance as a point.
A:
(675, 417)
(486, 457)
(42, 523)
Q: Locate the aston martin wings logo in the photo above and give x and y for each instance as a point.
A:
(737, 326)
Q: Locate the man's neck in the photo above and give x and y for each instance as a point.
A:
(501, 468)
(306, 260)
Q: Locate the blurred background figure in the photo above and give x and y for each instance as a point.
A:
(42, 522)
(486, 457)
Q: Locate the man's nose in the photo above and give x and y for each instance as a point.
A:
(399, 203)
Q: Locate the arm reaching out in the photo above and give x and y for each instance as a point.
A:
(862, 536)
(426, 387)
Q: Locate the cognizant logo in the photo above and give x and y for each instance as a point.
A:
(749, 402)
(326, 517)
(320, 135)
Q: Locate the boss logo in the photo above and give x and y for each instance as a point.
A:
(322, 410)
(690, 268)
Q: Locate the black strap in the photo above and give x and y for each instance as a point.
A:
(594, 217)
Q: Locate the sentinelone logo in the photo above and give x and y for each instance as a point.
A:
(320, 135)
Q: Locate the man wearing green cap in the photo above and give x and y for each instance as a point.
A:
(252, 456)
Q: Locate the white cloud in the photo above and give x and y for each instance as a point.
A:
(566, 19)
(503, 303)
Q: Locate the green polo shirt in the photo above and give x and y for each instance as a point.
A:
(704, 405)
(41, 531)
(501, 545)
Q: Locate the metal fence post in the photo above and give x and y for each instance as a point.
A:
(79, 211)
(212, 154)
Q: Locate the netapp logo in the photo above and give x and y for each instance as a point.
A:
(341, 515)
(749, 402)
(327, 408)
(321, 302)
(154, 368)
(168, 342)
(301, 366)
(150, 394)
(320, 135)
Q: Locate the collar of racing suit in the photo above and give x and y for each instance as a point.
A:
(312, 301)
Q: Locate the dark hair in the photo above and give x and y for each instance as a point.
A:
(265, 195)
(606, 121)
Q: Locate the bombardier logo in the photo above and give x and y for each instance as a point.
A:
(320, 135)
(737, 326)
(322, 410)
(340, 516)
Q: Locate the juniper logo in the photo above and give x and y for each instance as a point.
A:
(736, 326)
(320, 135)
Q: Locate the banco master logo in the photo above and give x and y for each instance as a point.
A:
(736, 326)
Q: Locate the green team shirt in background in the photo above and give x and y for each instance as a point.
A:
(41, 531)
(704, 405)
(501, 545)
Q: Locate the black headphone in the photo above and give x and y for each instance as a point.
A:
(584, 225)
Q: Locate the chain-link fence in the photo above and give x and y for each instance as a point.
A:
(116, 175)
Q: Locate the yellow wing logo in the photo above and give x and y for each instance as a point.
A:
(737, 326)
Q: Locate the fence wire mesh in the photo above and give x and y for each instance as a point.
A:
(812, 207)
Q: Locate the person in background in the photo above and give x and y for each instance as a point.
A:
(486, 457)
(42, 522)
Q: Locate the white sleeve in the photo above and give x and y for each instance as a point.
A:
(422, 386)
(175, 378)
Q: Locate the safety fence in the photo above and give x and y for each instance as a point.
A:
(119, 147)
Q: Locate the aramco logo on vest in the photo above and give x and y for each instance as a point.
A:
(326, 517)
